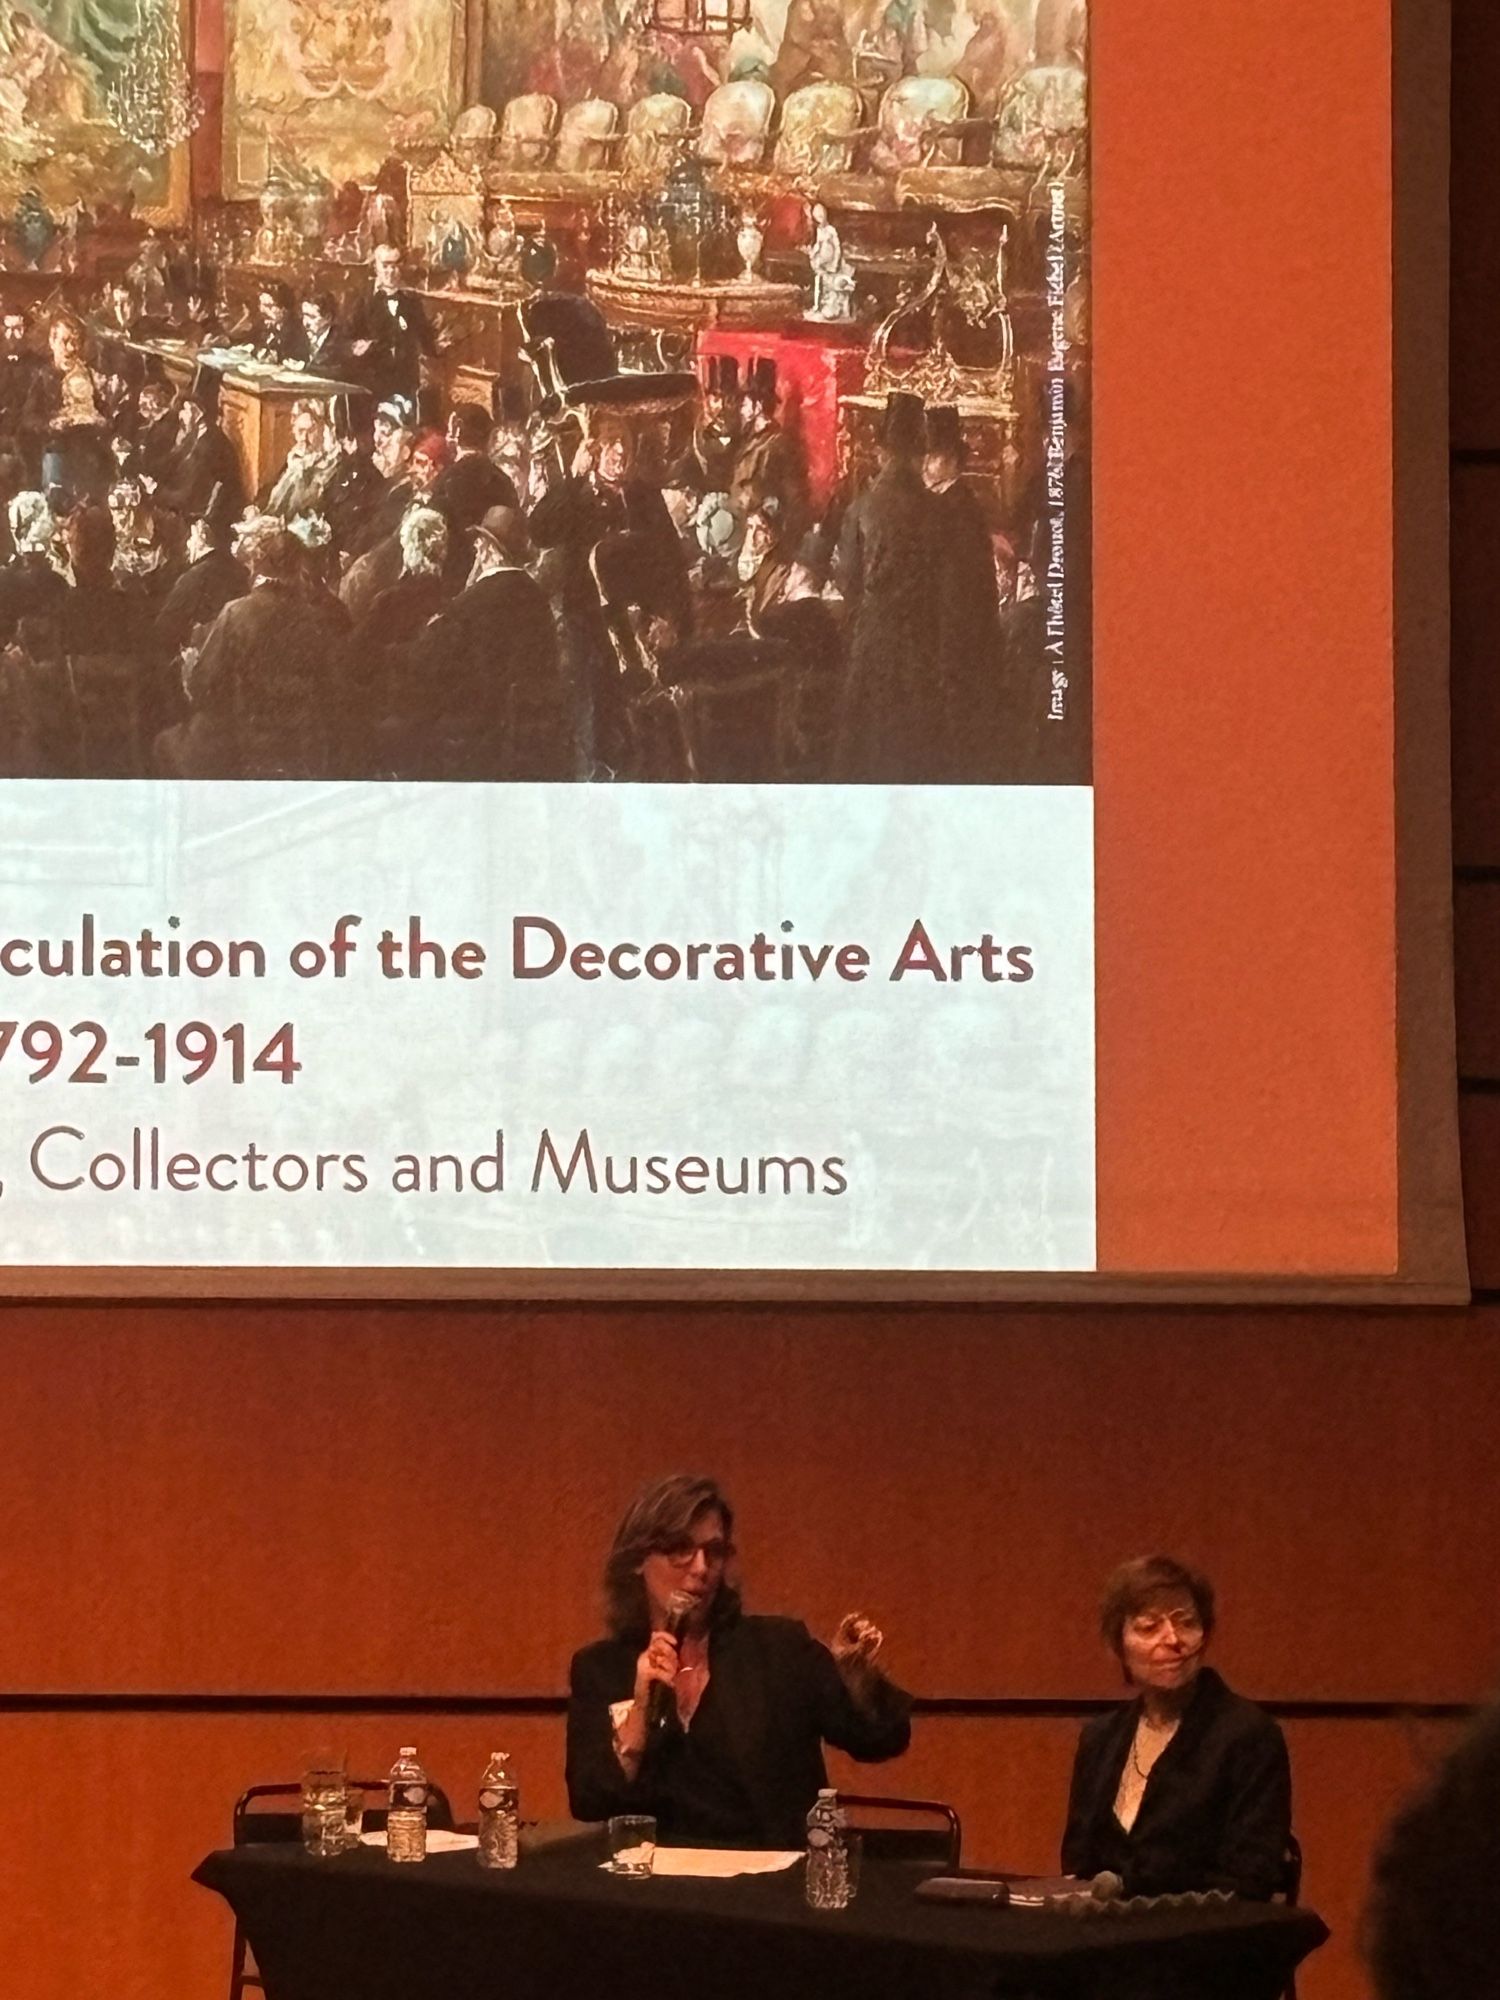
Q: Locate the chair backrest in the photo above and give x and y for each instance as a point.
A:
(892, 1828)
(581, 346)
(910, 114)
(526, 127)
(475, 123)
(818, 127)
(737, 123)
(733, 730)
(652, 127)
(1291, 1870)
(584, 136)
(274, 1812)
(1040, 109)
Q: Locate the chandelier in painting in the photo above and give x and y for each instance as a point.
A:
(152, 102)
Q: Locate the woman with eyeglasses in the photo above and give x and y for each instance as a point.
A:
(731, 1754)
(1188, 1785)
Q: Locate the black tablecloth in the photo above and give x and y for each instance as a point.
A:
(360, 1928)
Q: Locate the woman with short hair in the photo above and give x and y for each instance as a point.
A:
(734, 1757)
(1187, 1786)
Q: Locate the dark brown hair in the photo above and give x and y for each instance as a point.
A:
(659, 1517)
(1139, 1583)
(89, 536)
(472, 424)
(1430, 1931)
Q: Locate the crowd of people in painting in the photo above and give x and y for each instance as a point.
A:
(529, 593)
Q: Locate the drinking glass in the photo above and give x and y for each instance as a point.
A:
(323, 1811)
(632, 1845)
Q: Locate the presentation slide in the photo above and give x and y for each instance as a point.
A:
(536, 1027)
(913, 799)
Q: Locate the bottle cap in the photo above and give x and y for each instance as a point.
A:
(407, 1750)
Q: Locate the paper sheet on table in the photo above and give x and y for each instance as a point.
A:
(718, 1863)
(439, 1841)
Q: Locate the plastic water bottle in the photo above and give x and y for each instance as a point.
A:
(827, 1854)
(406, 1823)
(499, 1814)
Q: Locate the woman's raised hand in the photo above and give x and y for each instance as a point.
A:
(856, 1642)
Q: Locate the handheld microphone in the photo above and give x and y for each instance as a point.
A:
(660, 1700)
(1106, 1887)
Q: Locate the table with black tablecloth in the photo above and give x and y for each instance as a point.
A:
(359, 1927)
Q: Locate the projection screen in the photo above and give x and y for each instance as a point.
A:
(1120, 972)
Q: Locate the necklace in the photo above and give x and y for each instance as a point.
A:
(1166, 1734)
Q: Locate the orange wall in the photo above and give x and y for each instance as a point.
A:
(227, 1499)
(1243, 710)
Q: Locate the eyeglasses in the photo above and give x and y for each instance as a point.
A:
(1146, 1624)
(681, 1554)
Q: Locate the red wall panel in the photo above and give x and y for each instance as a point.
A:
(193, 1498)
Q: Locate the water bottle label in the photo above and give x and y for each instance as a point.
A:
(819, 1836)
(490, 1800)
(413, 1795)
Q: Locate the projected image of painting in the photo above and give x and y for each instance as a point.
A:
(775, 469)
(58, 62)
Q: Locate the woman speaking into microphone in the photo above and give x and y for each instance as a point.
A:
(711, 1719)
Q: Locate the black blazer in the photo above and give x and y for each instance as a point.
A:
(1217, 1811)
(400, 333)
(782, 1698)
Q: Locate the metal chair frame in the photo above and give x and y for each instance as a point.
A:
(933, 1807)
(243, 1977)
(1291, 1891)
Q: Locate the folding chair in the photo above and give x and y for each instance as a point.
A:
(254, 1823)
(938, 1843)
(1290, 1891)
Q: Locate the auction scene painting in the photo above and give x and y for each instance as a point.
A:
(557, 390)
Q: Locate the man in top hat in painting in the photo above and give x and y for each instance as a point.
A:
(967, 608)
(892, 728)
(614, 549)
(214, 577)
(769, 462)
(717, 433)
(478, 694)
(355, 483)
(258, 690)
(203, 456)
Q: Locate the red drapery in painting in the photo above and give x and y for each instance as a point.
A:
(814, 367)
